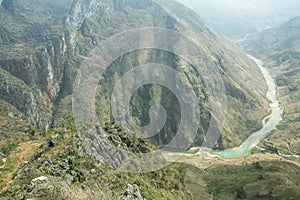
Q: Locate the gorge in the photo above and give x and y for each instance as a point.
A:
(45, 45)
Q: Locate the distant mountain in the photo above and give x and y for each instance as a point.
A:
(280, 49)
(236, 18)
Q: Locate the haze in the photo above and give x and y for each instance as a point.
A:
(236, 18)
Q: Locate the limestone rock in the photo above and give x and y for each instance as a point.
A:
(132, 193)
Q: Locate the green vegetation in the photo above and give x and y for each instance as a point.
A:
(71, 174)
(261, 180)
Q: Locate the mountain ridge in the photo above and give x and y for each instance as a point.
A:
(50, 55)
(47, 158)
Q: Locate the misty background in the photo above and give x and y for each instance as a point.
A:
(237, 18)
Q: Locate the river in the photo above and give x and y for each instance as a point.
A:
(269, 122)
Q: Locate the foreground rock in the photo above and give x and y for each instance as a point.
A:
(132, 193)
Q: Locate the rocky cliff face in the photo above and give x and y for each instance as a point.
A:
(43, 43)
(36, 58)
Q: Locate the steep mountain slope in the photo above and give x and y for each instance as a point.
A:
(280, 50)
(43, 44)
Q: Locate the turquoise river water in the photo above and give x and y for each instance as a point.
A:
(269, 122)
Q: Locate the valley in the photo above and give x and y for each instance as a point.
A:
(247, 143)
(279, 49)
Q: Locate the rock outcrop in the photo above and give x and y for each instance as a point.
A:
(132, 193)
